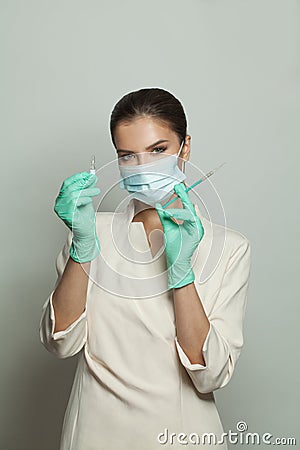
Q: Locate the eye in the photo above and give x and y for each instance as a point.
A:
(162, 149)
(126, 157)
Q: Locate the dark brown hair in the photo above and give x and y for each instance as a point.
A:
(150, 102)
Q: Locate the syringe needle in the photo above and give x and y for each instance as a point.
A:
(205, 176)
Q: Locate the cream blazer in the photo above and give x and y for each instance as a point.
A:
(134, 385)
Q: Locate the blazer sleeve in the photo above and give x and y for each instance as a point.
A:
(68, 342)
(224, 341)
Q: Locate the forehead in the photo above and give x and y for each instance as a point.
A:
(142, 132)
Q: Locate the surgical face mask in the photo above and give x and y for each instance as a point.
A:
(152, 182)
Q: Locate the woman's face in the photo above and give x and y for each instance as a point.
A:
(144, 135)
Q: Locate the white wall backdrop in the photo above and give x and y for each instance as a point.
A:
(234, 64)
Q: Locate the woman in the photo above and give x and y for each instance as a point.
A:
(154, 344)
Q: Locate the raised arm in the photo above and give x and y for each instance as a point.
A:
(63, 325)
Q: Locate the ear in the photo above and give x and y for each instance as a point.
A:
(185, 152)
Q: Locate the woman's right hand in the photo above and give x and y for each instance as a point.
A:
(74, 206)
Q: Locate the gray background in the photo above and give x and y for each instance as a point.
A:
(235, 67)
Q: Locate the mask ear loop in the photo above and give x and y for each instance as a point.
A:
(183, 161)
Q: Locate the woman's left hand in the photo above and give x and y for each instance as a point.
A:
(180, 240)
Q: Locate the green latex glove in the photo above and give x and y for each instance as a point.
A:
(74, 206)
(180, 240)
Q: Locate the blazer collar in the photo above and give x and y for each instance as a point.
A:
(210, 247)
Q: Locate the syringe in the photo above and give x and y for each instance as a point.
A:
(93, 165)
(195, 184)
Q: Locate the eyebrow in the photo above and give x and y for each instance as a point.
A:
(147, 148)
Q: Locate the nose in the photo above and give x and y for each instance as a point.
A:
(142, 157)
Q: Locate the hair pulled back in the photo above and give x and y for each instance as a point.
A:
(154, 103)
